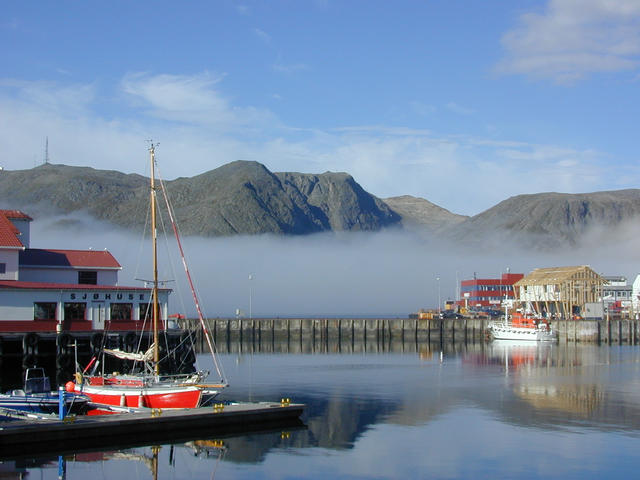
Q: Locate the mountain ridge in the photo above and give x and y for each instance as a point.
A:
(558, 218)
(246, 198)
(241, 197)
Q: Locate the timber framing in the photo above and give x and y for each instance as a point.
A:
(560, 292)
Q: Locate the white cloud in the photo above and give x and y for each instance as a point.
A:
(196, 106)
(572, 38)
(50, 97)
(200, 128)
(262, 35)
(179, 97)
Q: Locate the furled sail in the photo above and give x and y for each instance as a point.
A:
(136, 356)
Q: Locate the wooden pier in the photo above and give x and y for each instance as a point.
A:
(144, 427)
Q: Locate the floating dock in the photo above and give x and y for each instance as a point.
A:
(144, 427)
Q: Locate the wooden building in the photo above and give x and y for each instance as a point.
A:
(560, 292)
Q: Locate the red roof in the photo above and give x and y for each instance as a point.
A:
(68, 258)
(8, 232)
(16, 214)
(506, 279)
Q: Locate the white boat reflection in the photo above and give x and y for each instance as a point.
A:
(537, 381)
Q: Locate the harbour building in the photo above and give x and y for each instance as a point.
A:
(559, 292)
(483, 293)
(45, 290)
(616, 289)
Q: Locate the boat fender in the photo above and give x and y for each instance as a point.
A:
(123, 400)
(70, 386)
(141, 401)
(131, 339)
(65, 340)
(30, 342)
(29, 360)
(65, 361)
(96, 340)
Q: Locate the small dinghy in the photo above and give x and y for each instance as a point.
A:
(37, 397)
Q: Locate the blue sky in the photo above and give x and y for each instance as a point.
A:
(464, 103)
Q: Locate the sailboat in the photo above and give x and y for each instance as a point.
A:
(150, 388)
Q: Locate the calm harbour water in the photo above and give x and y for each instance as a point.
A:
(482, 411)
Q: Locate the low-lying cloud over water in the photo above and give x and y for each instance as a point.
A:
(350, 274)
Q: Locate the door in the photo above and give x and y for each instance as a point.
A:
(98, 315)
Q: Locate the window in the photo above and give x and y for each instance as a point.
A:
(74, 311)
(146, 311)
(87, 277)
(3, 268)
(44, 310)
(121, 312)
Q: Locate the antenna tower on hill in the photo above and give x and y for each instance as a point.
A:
(46, 151)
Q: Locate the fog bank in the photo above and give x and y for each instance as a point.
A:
(350, 274)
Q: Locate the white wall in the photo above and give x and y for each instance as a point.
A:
(48, 275)
(10, 259)
(107, 277)
(65, 275)
(25, 230)
(635, 293)
(13, 306)
(18, 304)
(539, 293)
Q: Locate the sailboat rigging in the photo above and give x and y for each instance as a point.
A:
(150, 388)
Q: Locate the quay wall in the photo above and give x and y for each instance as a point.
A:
(58, 353)
(467, 330)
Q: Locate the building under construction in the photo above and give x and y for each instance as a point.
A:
(559, 292)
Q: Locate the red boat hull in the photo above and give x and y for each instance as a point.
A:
(150, 397)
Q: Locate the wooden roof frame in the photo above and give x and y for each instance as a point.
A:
(558, 275)
(574, 286)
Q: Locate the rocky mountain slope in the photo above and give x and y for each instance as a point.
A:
(246, 198)
(548, 220)
(237, 198)
(418, 213)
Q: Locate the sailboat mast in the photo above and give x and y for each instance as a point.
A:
(154, 242)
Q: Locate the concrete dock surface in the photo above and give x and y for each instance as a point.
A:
(143, 427)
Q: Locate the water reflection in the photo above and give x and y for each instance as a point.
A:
(147, 462)
(446, 409)
(583, 385)
(537, 380)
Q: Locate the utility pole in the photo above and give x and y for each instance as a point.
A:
(46, 151)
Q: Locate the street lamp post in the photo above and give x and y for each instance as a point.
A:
(438, 280)
(250, 292)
